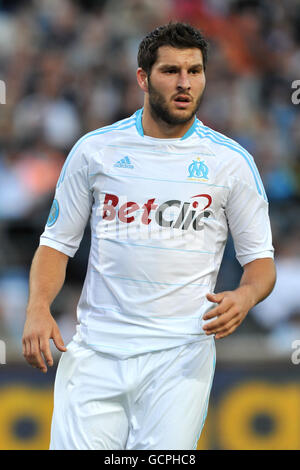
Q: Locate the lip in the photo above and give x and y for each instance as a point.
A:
(182, 104)
(187, 98)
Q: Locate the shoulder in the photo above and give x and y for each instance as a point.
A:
(235, 160)
(227, 149)
(82, 152)
(105, 133)
(219, 142)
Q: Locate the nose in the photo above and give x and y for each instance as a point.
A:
(183, 81)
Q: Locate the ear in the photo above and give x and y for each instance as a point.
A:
(142, 79)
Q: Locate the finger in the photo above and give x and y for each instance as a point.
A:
(35, 358)
(227, 332)
(215, 312)
(221, 321)
(58, 341)
(224, 320)
(211, 314)
(222, 308)
(29, 357)
(45, 349)
(216, 298)
(227, 326)
(26, 350)
(24, 347)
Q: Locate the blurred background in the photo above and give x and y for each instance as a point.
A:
(69, 68)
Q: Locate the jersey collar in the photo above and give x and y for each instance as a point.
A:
(139, 125)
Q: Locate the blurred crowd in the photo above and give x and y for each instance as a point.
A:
(69, 68)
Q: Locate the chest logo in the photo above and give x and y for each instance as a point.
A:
(124, 163)
(198, 170)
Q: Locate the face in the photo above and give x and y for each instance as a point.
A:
(176, 84)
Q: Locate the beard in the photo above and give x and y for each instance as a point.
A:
(159, 108)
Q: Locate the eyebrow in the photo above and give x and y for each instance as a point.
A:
(173, 66)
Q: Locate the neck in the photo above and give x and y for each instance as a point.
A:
(156, 127)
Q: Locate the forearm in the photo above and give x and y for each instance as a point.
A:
(47, 276)
(258, 280)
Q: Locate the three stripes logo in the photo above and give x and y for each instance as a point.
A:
(124, 163)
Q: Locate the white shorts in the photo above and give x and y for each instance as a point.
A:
(154, 401)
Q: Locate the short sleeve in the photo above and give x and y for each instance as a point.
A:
(71, 206)
(247, 212)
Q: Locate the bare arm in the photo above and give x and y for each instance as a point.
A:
(256, 284)
(47, 276)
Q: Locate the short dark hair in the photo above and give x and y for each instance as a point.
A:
(179, 35)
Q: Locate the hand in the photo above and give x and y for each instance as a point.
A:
(39, 328)
(231, 310)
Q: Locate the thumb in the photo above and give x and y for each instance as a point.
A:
(58, 341)
(216, 298)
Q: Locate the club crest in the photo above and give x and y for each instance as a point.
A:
(53, 215)
(198, 170)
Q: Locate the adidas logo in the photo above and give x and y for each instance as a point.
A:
(124, 163)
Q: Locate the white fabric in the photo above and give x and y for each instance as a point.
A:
(154, 401)
(149, 270)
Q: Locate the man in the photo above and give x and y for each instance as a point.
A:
(161, 189)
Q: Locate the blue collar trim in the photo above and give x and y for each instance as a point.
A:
(139, 125)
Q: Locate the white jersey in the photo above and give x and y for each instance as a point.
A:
(160, 210)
